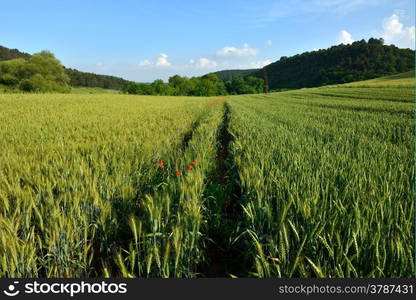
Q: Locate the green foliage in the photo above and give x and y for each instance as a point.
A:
(42, 72)
(231, 74)
(249, 85)
(143, 88)
(207, 85)
(77, 78)
(131, 88)
(159, 87)
(338, 64)
(9, 79)
(86, 79)
(181, 85)
(7, 54)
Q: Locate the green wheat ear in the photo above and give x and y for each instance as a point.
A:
(317, 183)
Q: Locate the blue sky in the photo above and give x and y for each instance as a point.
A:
(145, 40)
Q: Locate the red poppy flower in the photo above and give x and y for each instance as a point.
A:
(194, 162)
(178, 173)
(161, 164)
(190, 167)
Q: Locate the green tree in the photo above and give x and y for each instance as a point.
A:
(159, 87)
(181, 85)
(42, 72)
(256, 84)
(131, 88)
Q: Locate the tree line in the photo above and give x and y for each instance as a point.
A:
(41, 72)
(360, 60)
(207, 85)
(76, 78)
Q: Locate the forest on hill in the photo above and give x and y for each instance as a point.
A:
(76, 78)
(231, 74)
(360, 60)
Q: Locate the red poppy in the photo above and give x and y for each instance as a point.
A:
(194, 162)
(178, 173)
(190, 167)
(161, 164)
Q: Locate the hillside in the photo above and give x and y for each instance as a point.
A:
(361, 60)
(231, 74)
(85, 79)
(401, 80)
(6, 54)
(77, 78)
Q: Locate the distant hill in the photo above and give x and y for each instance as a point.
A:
(77, 78)
(6, 54)
(230, 74)
(338, 64)
(86, 79)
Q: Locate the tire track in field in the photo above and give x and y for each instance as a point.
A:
(189, 134)
(121, 208)
(223, 196)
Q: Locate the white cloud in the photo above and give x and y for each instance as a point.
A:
(269, 43)
(162, 60)
(233, 52)
(203, 63)
(394, 32)
(99, 64)
(344, 37)
(226, 58)
(145, 63)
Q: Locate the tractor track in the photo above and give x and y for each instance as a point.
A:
(223, 195)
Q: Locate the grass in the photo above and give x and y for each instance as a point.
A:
(398, 80)
(92, 90)
(304, 183)
(74, 90)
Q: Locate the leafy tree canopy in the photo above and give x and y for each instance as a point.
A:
(42, 72)
(360, 60)
(207, 85)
